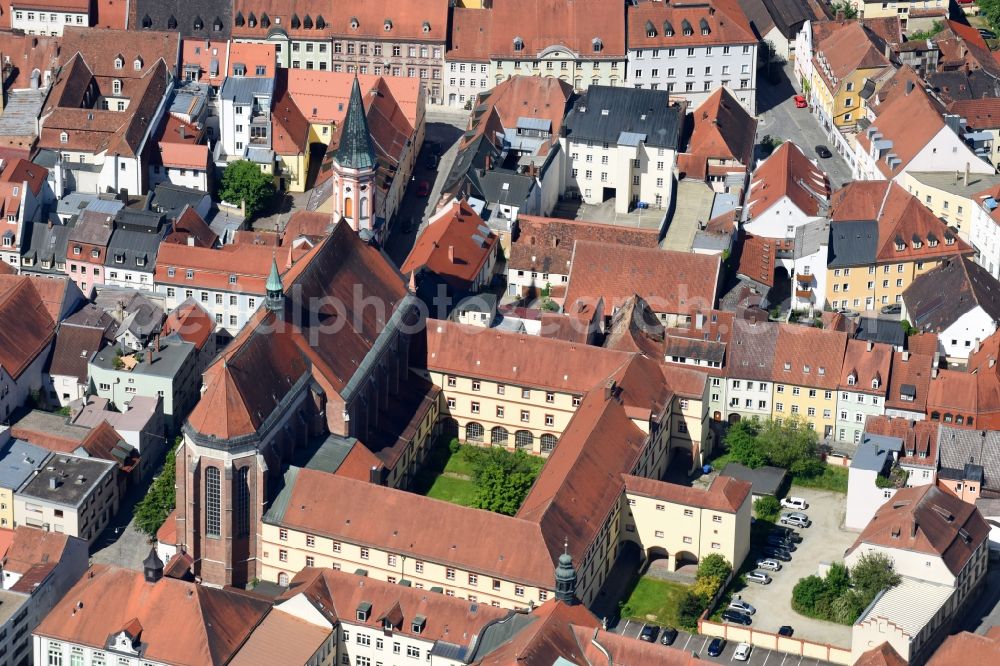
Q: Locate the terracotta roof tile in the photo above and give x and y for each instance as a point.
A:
(208, 54)
(191, 323)
(184, 156)
(724, 494)
(282, 638)
(787, 173)
(291, 129)
(926, 520)
(322, 96)
(75, 345)
(30, 546)
(807, 356)
(214, 622)
(545, 244)
(167, 534)
(910, 121)
(724, 19)
(470, 35)
(455, 245)
(953, 391)
(723, 129)
(920, 438)
(190, 228)
(671, 282)
(883, 655)
(911, 374)
(866, 364)
(215, 268)
(847, 50)
(28, 328)
(959, 649)
(541, 24)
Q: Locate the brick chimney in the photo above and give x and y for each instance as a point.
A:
(451, 254)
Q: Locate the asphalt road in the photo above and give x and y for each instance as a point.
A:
(699, 645)
(781, 119)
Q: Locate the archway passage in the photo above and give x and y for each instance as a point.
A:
(734, 418)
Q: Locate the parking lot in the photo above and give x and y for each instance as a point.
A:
(823, 541)
(699, 645)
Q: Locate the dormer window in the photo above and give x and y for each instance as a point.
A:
(686, 28)
(217, 25)
(419, 622)
(140, 261)
(95, 253)
(949, 240)
(518, 44)
(650, 29)
(198, 23)
(63, 137)
(597, 44)
(189, 274)
(321, 23)
(77, 250)
(307, 22)
(875, 383)
(119, 258)
(137, 64)
(426, 27)
(932, 242)
(917, 244)
(147, 22)
(668, 29)
(900, 245)
(788, 366)
(265, 21)
(232, 279)
(354, 23)
(116, 87)
(704, 27)
(171, 271)
(806, 369)
(364, 611)
(119, 62)
(387, 26)
(252, 20)
(852, 379)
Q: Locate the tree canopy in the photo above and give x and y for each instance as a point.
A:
(791, 444)
(842, 595)
(244, 182)
(502, 478)
(153, 509)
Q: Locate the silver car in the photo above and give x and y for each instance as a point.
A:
(759, 577)
(742, 606)
(795, 519)
(769, 564)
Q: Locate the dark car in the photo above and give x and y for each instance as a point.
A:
(668, 636)
(895, 308)
(779, 541)
(736, 617)
(787, 533)
(987, 34)
(786, 631)
(649, 633)
(823, 152)
(716, 647)
(777, 554)
(431, 161)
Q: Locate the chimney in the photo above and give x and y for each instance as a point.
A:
(53, 483)
(157, 342)
(906, 356)
(965, 181)
(909, 87)
(451, 254)
(182, 132)
(190, 241)
(871, 345)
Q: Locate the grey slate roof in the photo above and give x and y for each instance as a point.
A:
(765, 480)
(873, 329)
(355, 150)
(604, 113)
(939, 297)
(506, 187)
(136, 249)
(138, 314)
(810, 237)
(138, 220)
(18, 459)
(46, 244)
(171, 199)
(958, 447)
(242, 89)
(215, 16)
(853, 243)
(874, 451)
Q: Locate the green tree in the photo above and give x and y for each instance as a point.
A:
(714, 566)
(873, 573)
(935, 28)
(500, 492)
(767, 508)
(244, 182)
(153, 509)
(741, 443)
(690, 609)
(844, 7)
(990, 10)
(807, 593)
(792, 444)
(837, 578)
(846, 607)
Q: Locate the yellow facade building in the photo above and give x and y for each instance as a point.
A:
(806, 371)
(844, 61)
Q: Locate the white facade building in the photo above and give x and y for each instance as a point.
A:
(40, 17)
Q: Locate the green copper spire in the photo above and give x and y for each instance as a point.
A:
(275, 291)
(355, 150)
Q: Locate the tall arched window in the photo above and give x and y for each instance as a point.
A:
(498, 436)
(241, 500)
(524, 440)
(348, 207)
(213, 501)
(548, 443)
(363, 209)
(283, 579)
(474, 432)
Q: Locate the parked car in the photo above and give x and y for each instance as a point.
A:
(787, 533)
(736, 617)
(668, 636)
(786, 631)
(423, 188)
(716, 647)
(800, 102)
(759, 577)
(431, 161)
(776, 553)
(742, 652)
(823, 152)
(795, 520)
(895, 308)
(779, 541)
(987, 34)
(738, 604)
(649, 633)
(769, 564)
(794, 503)
(847, 312)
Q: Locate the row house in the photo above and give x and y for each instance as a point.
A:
(960, 200)
(721, 147)
(913, 15)
(87, 243)
(806, 372)
(49, 17)
(692, 50)
(787, 191)
(368, 38)
(622, 145)
(130, 260)
(748, 381)
(25, 191)
(881, 240)
(981, 127)
(228, 282)
(467, 60)
(864, 385)
(581, 43)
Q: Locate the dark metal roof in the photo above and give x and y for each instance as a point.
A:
(171, 199)
(853, 243)
(604, 113)
(355, 150)
(765, 480)
(215, 17)
(872, 329)
(46, 244)
(136, 249)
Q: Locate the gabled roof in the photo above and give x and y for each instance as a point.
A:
(919, 438)
(752, 350)
(31, 546)
(909, 121)
(957, 649)
(846, 51)
(866, 362)
(455, 245)
(725, 493)
(807, 356)
(552, 634)
(788, 173)
(926, 520)
(190, 322)
(545, 244)
(470, 35)
(213, 622)
(541, 24)
(191, 230)
(938, 298)
(910, 378)
(883, 655)
(671, 282)
(653, 24)
(723, 129)
(75, 345)
(28, 327)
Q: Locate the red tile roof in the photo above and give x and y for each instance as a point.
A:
(920, 438)
(27, 53)
(959, 649)
(807, 356)
(724, 20)
(31, 546)
(955, 392)
(883, 655)
(914, 370)
(910, 121)
(322, 96)
(215, 268)
(167, 534)
(723, 130)
(553, 636)
(542, 24)
(456, 245)
(981, 114)
(545, 244)
(671, 282)
(291, 129)
(184, 156)
(213, 622)
(28, 328)
(470, 35)
(923, 519)
(847, 50)
(787, 173)
(724, 494)
(191, 323)
(198, 52)
(78, 6)
(866, 362)
(190, 229)
(75, 345)
(758, 256)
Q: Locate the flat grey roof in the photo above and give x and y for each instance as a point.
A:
(946, 180)
(20, 116)
(242, 89)
(874, 450)
(74, 477)
(166, 362)
(18, 461)
(765, 480)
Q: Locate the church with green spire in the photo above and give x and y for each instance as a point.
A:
(354, 167)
